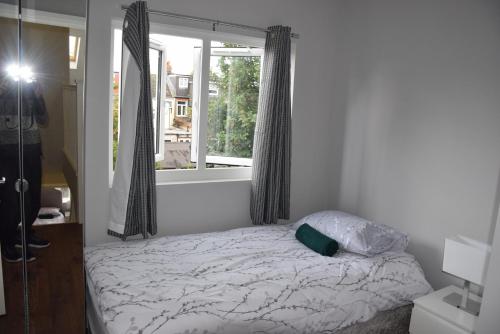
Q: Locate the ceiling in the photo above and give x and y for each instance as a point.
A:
(68, 7)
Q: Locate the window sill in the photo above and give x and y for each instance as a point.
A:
(169, 183)
(182, 176)
(195, 176)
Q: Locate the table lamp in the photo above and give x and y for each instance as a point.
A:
(467, 259)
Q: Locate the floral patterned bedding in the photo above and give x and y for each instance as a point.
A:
(247, 280)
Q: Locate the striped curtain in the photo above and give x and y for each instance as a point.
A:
(133, 194)
(270, 198)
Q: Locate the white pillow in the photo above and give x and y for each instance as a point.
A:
(355, 234)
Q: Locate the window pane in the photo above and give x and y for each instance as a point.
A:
(183, 82)
(182, 61)
(117, 64)
(74, 50)
(233, 101)
(174, 72)
(155, 59)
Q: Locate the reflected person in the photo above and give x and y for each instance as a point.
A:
(34, 116)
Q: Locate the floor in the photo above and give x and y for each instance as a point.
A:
(56, 283)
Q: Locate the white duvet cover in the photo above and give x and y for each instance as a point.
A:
(249, 280)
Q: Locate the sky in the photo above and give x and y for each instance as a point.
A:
(179, 50)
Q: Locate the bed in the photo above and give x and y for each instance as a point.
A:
(247, 280)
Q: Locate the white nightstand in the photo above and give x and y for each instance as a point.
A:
(432, 315)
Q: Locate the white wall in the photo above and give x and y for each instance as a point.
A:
(420, 88)
(218, 205)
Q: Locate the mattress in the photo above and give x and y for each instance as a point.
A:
(94, 322)
(249, 280)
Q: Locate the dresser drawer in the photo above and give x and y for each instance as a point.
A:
(423, 322)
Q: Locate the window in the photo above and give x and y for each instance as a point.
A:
(183, 83)
(232, 107)
(74, 50)
(213, 90)
(156, 55)
(157, 96)
(205, 91)
(182, 108)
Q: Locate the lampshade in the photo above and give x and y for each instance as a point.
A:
(466, 258)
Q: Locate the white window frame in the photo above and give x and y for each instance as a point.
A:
(234, 52)
(183, 106)
(199, 134)
(184, 79)
(161, 97)
(73, 63)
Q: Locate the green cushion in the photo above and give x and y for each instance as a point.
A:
(316, 240)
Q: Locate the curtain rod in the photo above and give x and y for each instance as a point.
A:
(213, 22)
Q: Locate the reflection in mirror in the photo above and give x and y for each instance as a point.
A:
(52, 74)
(11, 284)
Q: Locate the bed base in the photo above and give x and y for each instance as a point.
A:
(395, 321)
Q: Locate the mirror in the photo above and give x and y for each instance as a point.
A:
(49, 73)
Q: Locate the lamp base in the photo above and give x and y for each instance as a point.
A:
(455, 299)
